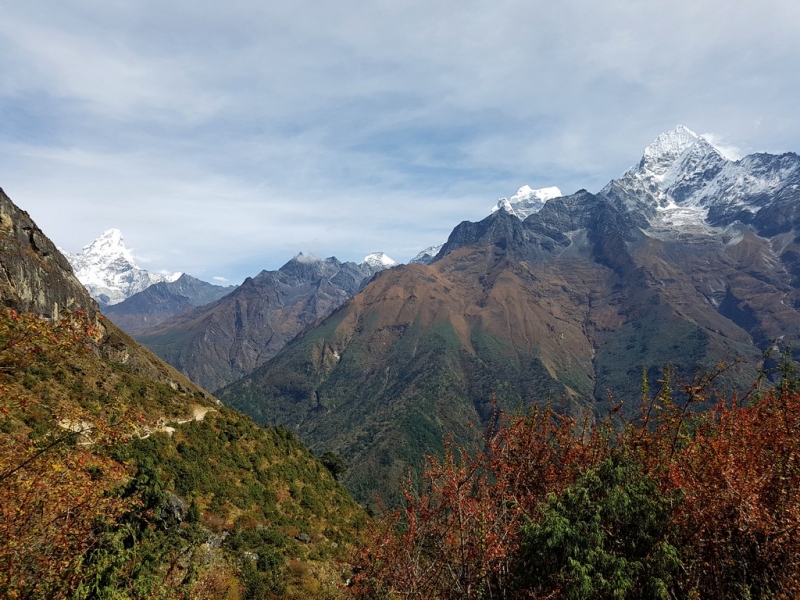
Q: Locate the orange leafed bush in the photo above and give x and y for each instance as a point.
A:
(728, 476)
(55, 476)
(739, 522)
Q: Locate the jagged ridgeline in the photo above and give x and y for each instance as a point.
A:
(687, 260)
(120, 478)
(219, 343)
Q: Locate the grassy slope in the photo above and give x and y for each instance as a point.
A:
(250, 489)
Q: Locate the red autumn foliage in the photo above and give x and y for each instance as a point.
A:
(740, 517)
(735, 468)
(55, 473)
(460, 537)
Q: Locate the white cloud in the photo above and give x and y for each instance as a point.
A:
(225, 138)
(729, 151)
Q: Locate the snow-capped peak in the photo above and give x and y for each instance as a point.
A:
(527, 193)
(426, 256)
(108, 247)
(685, 184)
(107, 269)
(379, 260)
(671, 143)
(527, 201)
(307, 258)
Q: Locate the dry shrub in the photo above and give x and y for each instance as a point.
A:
(729, 475)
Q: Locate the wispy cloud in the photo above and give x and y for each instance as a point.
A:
(224, 138)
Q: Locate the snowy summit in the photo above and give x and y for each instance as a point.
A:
(107, 270)
(683, 184)
(527, 201)
(379, 260)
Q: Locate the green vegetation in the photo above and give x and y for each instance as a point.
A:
(602, 537)
(113, 485)
(389, 398)
(118, 486)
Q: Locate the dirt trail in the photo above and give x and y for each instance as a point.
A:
(198, 414)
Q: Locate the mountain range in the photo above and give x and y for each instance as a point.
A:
(148, 308)
(688, 259)
(220, 342)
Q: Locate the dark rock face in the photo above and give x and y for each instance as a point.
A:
(218, 343)
(172, 511)
(34, 275)
(500, 228)
(147, 309)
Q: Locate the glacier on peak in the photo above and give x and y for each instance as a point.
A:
(685, 184)
(106, 268)
(426, 256)
(379, 260)
(527, 201)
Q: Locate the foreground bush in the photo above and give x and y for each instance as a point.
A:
(682, 503)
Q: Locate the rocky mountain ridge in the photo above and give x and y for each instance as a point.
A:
(569, 305)
(220, 342)
(145, 310)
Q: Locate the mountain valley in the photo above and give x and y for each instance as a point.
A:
(220, 342)
(336, 381)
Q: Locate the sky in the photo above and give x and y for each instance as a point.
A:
(223, 138)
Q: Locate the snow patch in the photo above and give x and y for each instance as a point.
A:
(527, 201)
(379, 260)
(426, 256)
(307, 258)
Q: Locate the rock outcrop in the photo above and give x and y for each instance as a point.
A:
(34, 275)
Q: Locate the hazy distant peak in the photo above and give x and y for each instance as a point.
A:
(379, 260)
(302, 257)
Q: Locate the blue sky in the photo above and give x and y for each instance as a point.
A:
(225, 137)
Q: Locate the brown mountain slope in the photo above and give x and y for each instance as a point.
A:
(218, 343)
(528, 312)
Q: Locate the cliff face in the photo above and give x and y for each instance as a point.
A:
(34, 275)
